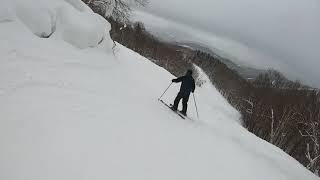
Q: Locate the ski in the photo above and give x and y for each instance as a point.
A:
(178, 112)
(180, 115)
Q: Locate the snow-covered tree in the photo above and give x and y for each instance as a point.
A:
(117, 9)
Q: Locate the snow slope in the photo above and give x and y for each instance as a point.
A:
(70, 110)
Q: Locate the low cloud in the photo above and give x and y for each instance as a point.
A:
(266, 34)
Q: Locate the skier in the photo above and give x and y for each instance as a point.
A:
(186, 87)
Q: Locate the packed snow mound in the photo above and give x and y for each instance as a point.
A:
(69, 20)
(80, 114)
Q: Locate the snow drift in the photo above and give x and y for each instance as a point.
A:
(70, 20)
(70, 109)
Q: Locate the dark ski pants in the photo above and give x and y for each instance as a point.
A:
(185, 99)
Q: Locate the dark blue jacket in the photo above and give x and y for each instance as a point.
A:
(187, 84)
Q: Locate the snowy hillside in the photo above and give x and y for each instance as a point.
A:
(72, 110)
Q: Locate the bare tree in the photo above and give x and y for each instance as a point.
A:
(310, 129)
(117, 9)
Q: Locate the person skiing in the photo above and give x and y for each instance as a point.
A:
(187, 86)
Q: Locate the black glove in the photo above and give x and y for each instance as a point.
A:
(173, 80)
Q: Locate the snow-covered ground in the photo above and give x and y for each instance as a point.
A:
(70, 109)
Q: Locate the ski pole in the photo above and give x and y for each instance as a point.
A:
(165, 91)
(195, 103)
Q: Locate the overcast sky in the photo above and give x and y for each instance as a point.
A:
(282, 34)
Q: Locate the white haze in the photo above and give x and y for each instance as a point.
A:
(266, 34)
